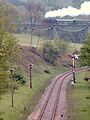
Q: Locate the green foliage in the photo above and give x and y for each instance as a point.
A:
(79, 99)
(3, 82)
(61, 45)
(50, 53)
(7, 16)
(19, 78)
(8, 47)
(26, 98)
(85, 53)
(13, 85)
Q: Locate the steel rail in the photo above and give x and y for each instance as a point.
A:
(50, 93)
(57, 99)
(58, 94)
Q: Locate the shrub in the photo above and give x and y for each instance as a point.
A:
(19, 78)
(50, 53)
(61, 46)
(3, 82)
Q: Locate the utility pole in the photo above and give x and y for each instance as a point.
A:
(38, 41)
(54, 33)
(31, 37)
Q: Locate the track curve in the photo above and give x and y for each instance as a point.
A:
(52, 108)
(49, 108)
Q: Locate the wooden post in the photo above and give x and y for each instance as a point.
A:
(30, 68)
(73, 70)
(12, 91)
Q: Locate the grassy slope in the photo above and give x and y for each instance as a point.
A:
(74, 46)
(24, 39)
(79, 104)
(25, 99)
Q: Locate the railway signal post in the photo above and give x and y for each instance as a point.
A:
(74, 57)
(12, 90)
(73, 70)
(30, 68)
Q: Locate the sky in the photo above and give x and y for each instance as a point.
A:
(71, 11)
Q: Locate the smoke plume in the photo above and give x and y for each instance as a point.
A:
(70, 11)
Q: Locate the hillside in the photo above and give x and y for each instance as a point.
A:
(27, 62)
(48, 6)
(30, 55)
(52, 4)
(25, 99)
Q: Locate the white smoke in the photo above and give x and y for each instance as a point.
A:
(70, 11)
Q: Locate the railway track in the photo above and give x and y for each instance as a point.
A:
(49, 108)
(52, 108)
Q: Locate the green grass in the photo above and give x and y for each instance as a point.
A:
(74, 46)
(24, 39)
(25, 99)
(79, 99)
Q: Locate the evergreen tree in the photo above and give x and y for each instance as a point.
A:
(85, 53)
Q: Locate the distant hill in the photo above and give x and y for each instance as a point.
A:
(77, 3)
(52, 4)
(57, 4)
(49, 5)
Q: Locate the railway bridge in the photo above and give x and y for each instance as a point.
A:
(69, 29)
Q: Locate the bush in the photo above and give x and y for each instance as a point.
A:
(50, 53)
(3, 82)
(47, 71)
(61, 46)
(13, 85)
(18, 77)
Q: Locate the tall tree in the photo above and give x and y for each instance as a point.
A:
(9, 15)
(85, 53)
(8, 47)
(35, 12)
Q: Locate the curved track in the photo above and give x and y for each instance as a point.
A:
(49, 108)
(52, 107)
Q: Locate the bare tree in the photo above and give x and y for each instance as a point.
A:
(35, 12)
